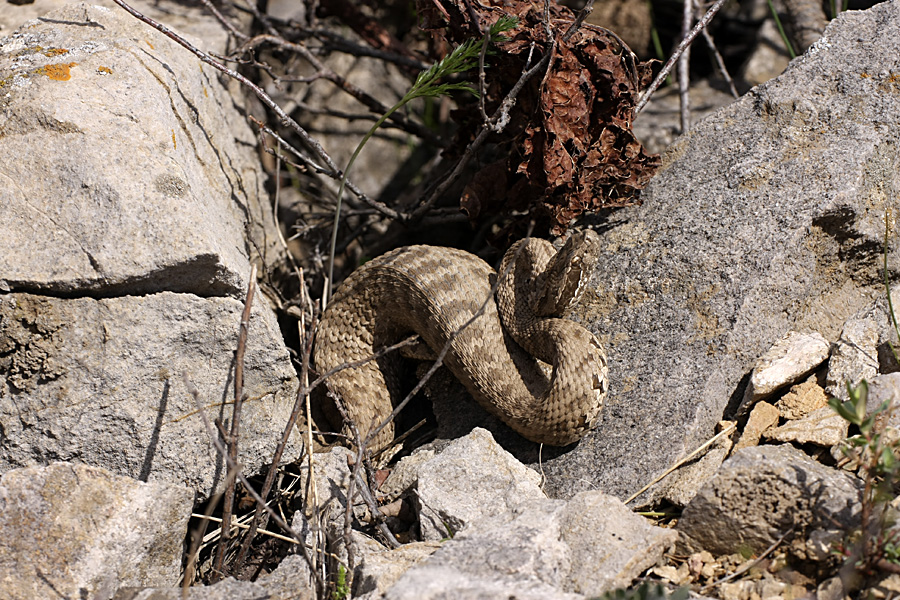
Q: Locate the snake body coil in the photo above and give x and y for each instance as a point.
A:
(434, 291)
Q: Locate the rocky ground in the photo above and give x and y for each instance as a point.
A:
(143, 195)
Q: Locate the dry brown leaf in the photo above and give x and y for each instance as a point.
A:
(570, 145)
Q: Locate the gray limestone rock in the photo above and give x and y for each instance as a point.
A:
(289, 581)
(789, 360)
(379, 570)
(884, 388)
(471, 480)
(101, 382)
(854, 357)
(766, 217)
(518, 552)
(609, 544)
(127, 168)
(761, 493)
(541, 549)
(71, 531)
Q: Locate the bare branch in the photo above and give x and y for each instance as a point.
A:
(234, 435)
(358, 93)
(661, 76)
(236, 469)
(262, 95)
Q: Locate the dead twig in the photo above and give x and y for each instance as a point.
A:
(342, 44)
(236, 469)
(720, 63)
(234, 434)
(384, 209)
(661, 76)
(684, 66)
(259, 518)
(225, 21)
(258, 91)
(323, 72)
(498, 122)
(357, 481)
(727, 431)
(576, 24)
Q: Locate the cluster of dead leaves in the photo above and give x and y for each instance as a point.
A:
(571, 148)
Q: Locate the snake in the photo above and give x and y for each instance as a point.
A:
(545, 376)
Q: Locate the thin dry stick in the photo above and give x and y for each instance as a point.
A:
(747, 566)
(499, 120)
(323, 72)
(265, 532)
(342, 44)
(576, 24)
(234, 435)
(365, 493)
(196, 540)
(661, 76)
(225, 21)
(312, 165)
(204, 57)
(312, 495)
(731, 427)
(684, 67)
(720, 63)
(258, 519)
(236, 468)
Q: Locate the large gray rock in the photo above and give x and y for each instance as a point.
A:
(544, 548)
(472, 479)
(289, 581)
(73, 531)
(761, 494)
(129, 174)
(766, 217)
(100, 382)
(126, 166)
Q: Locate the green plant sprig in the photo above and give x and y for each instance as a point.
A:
(427, 84)
(879, 467)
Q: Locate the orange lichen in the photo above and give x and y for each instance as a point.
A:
(51, 52)
(104, 70)
(57, 72)
(174, 142)
(151, 45)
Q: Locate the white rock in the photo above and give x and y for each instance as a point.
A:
(70, 531)
(790, 359)
(126, 168)
(762, 492)
(472, 479)
(100, 382)
(854, 357)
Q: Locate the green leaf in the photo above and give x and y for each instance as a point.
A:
(846, 410)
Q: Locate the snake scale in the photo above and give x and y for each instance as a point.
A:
(544, 376)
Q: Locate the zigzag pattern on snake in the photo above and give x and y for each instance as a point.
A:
(433, 291)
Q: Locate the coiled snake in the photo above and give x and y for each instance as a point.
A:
(434, 291)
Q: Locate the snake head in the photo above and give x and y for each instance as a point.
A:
(567, 273)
